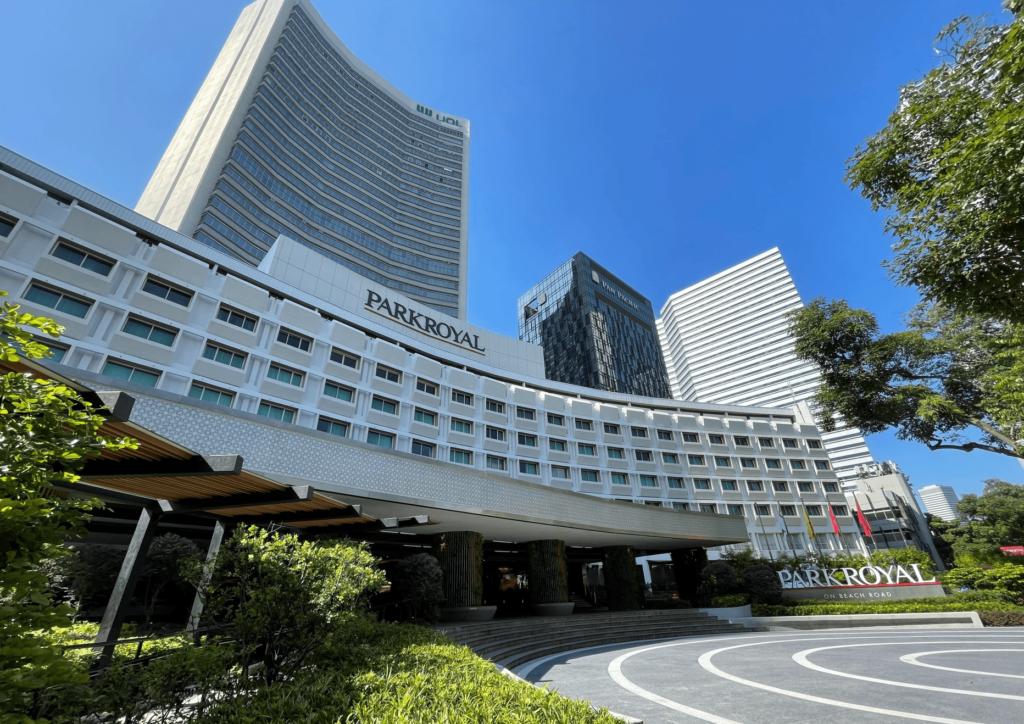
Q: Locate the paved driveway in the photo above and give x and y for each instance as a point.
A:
(832, 676)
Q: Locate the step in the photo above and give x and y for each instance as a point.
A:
(589, 620)
(485, 639)
(510, 631)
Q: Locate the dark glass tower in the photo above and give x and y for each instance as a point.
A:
(596, 330)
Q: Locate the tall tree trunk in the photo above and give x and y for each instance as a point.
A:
(620, 578)
(549, 580)
(461, 555)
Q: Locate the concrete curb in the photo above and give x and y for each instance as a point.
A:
(943, 619)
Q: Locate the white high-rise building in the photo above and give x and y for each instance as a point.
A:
(940, 501)
(292, 135)
(726, 340)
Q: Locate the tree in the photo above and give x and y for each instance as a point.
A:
(164, 566)
(948, 167)
(944, 380)
(418, 587)
(988, 521)
(46, 433)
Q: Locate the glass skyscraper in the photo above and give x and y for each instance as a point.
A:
(596, 330)
(292, 135)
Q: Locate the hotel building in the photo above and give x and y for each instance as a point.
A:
(940, 501)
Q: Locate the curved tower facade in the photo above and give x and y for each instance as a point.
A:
(292, 135)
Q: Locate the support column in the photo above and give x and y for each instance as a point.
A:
(211, 557)
(620, 578)
(549, 577)
(461, 556)
(124, 587)
(687, 564)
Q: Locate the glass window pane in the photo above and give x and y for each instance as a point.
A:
(139, 329)
(73, 307)
(179, 297)
(97, 265)
(162, 336)
(144, 378)
(68, 254)
(196, 392)
(157, 290)
(121, 372)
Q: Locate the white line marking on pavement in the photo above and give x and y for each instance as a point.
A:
(912, 659)
(801, 658)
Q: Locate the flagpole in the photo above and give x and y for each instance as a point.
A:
(760, 520)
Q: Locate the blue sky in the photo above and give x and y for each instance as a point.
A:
(668, 140)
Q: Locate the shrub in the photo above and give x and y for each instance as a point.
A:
(762, 584)
(418, 583)
(821, 608)
(730, 601)
(1007, 577)
(722, 577)
(1002, 618)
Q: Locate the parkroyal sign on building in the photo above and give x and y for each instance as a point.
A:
(861, 584)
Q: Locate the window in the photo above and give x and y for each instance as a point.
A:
(695, 459)
(422, 448)
(276, 412)
(526, 440)
(494, 433)
(585, 449)
(56, 352)
(814, 444)
(707, 508)
(79, 257)
(748, 463)
(559, 472)
(615, 453)
(765, 442)
(653, 503)
(721, 462)
(284, 375)
(780, 486)
(691, 437)
(326, 424)
(741, 441)
(789, 443)
(344, 358)
(493, 406)
(680, 506)
(386, 373)
(821, 464)
(716, 439)
(805, 487)
(638, 431)
(670, 458)
(286, 336)
(787, 509)
(735, 509)
(648, 481)
(665, 435)
(463, 398)
(830, 487)
(755, 486)
(226, 314)
(224, 356)
(701, 484)
(124, 371)
(57, 300)
(643, 456)
(798, 464)
(556, 445)
(384, 405)
(164, 290)
(590, 476)
(610, 429)
(7, 225)
(380, 439)
(150, 331)
(426, 387)
(556, 420)
(524, 414)
(496, 463)
(209, 394)
(463, 426)
(342, 394)
(763, 510)
(528, 468)
(619, 479)
(772, 464)
(729, 486)
(675, 483)
(425, 416)
(813, 510)
(584, 425)
(840, 510)
(462, 457)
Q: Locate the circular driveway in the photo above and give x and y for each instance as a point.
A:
(956, 676)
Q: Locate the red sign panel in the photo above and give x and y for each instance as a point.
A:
(1012, 550)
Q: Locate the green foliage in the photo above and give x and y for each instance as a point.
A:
(46, 433)
(722, 577)
(82, 577)
(762, 583)
(1002, 618)
(282, 595)
(732, 600)
(165, 566)
(932, 605)
(990, 520)
(948, 168)
(418, 583)
(1007, 578)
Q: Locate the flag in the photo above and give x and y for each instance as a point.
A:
(835, 523)
(807, 522)
(865, 526)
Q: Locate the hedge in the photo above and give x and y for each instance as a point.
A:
(1002, 618)
(819, 608)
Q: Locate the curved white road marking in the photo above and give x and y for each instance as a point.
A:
(913, 659)
(801, 658)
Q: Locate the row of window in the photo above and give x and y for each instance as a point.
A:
(761, 511)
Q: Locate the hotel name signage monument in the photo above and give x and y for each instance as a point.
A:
(862, 584)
